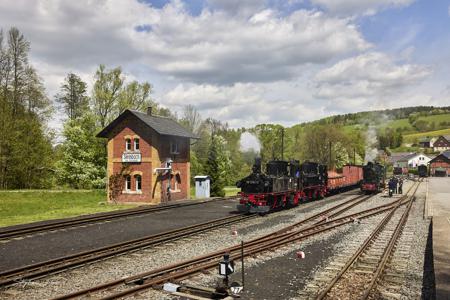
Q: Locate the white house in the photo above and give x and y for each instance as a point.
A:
(412, 161)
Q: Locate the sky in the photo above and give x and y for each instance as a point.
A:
(248, 62)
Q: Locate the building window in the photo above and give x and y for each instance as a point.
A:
(128, 183)
(175, 181)
(136, 144)
(174, 148)
(138, 179)
(128, 144)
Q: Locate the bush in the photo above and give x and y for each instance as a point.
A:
(413, 171)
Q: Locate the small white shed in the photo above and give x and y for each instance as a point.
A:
(202, 186)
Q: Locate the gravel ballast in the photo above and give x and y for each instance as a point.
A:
(148, 259)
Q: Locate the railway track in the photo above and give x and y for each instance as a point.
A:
(53, 266)
(360, 275)
(314, 225)
(36, 228)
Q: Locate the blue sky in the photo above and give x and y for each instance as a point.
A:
(249, 62)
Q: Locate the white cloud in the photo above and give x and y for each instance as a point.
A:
(359, 7)
(236, 61)
(372, 78)
(213, 47)
(248, 104)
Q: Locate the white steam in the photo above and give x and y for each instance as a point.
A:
(371, 144)
(249, 142)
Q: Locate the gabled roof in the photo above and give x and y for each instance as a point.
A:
(408, 157)
(445, 137)
(445, 155)
(398, 156)
(162, 125)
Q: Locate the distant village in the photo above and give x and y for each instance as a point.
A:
(436, 155)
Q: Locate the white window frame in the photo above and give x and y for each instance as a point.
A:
(127, 188)
(127, 144)
(173, 145)
(136, 144)
(138, 189)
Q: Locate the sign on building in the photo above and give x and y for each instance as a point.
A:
(131, 157)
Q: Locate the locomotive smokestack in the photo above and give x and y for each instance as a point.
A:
(257, 165)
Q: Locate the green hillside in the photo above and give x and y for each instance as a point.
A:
(411, 138)
(398, 129)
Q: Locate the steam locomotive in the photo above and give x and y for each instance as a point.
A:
(374, 176)
(422, 170)
(286, 184)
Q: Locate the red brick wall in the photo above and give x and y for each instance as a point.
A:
(180, 165)
(439, 164)
(152, 191)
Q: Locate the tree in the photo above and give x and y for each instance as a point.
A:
(106, 93)
(73, 97)
(83, 160)
(269, 136)
(25, 148)
(216, 166)
(319, 139)
(135, 96)
(191, 119)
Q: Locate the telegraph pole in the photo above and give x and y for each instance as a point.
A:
(282, 143)
(329, 146)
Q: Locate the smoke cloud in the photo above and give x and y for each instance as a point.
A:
(371, 144)
(249, 142)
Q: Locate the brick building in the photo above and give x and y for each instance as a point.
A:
(150, 156)
(442, 143)
(440, 165)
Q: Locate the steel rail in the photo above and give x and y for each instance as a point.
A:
(388, 251)
(55, 265)
(369, 240)
(48, 267)
(187, 268)
(16, 232)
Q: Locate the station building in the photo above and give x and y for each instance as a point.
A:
(150, 156)
(440, 165)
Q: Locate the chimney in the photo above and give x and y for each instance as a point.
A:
(149, 110)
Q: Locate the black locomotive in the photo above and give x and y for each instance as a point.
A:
(373, 178)
(422, 170)
(283, 184)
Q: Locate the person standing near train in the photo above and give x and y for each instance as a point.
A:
(400, 186)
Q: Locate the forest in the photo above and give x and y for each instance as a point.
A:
(32, 156)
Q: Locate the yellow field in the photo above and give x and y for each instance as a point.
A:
(435, 133)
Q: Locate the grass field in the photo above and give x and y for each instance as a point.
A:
(436, 118)
(400, 123)
(17, 207)
(229, 191)
(435, 133)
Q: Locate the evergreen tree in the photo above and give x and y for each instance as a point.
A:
(73, 96)
(216, 166)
